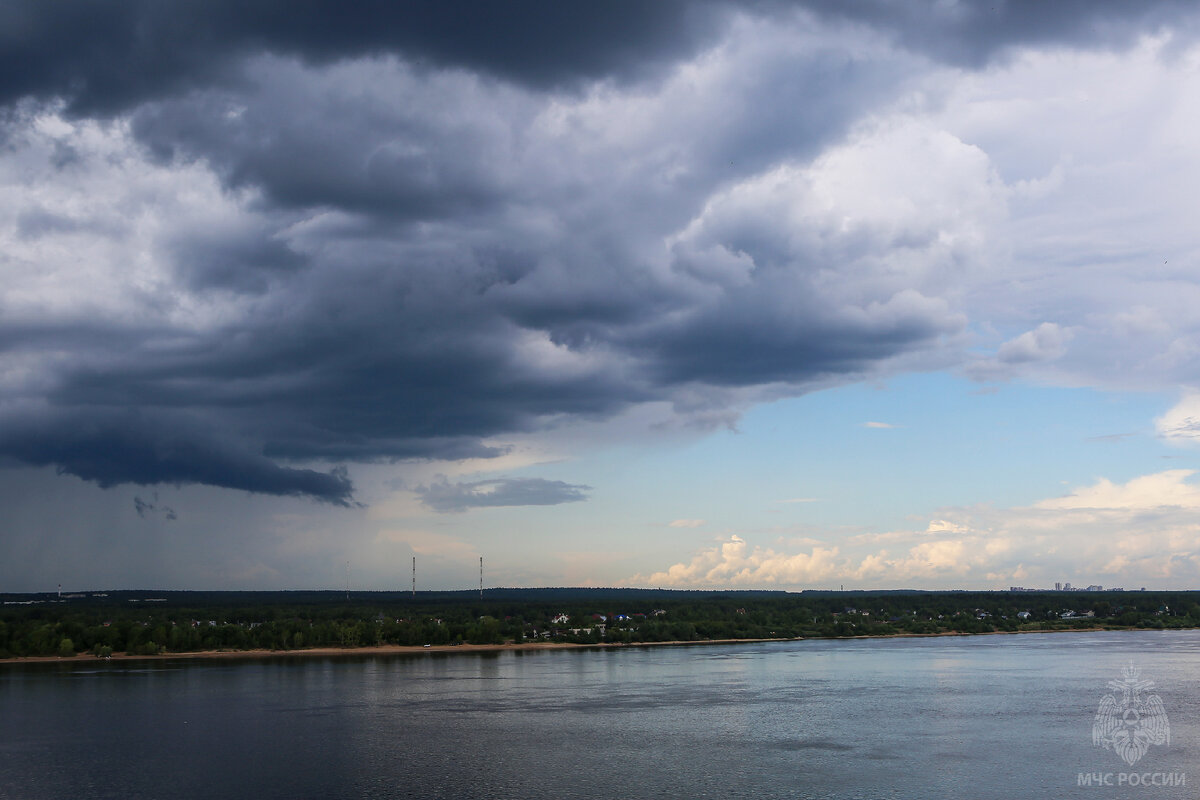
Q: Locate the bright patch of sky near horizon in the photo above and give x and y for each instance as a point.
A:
(809, 467)
(802, 301)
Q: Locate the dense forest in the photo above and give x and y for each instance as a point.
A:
(152, 623)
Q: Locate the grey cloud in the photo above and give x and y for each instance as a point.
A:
(111, 448)
(443, 496)
(33, 223)
(144, 507)
(445, 239)
(757, 338)
(427, 265)
(105, 58)
(1046, 342)
(141, 506)
(972, 34)
(409, 145)
(244, 260)
(346, 370)
(414, 146)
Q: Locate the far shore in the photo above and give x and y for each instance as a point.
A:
(397, 650)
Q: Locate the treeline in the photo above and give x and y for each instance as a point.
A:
(178, 622)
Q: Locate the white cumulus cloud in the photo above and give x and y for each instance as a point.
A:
(1144, 532)
(1168, 489)
(1181, 424)
(1046, 342)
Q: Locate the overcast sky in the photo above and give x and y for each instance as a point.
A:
(711, 294)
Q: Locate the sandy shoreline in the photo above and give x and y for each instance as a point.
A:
(376, 650)
(396, 650)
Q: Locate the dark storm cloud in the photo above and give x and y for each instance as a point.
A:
(411, 147)
(753, 340)
(347, 372)
(444, 496)
(444, 223)
(105, 57)
(972, 33)
(419, 147)
(110, 448)
(243, 260)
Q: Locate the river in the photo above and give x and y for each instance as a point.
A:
(945, 717)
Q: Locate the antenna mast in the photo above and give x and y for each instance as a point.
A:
(347, 581)
(414, 576)
(481, 577)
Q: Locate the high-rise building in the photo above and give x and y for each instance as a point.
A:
(1058, 586)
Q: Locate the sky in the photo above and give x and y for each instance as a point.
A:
(714, 295)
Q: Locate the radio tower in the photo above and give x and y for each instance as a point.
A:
(481, 577)
(414, 576)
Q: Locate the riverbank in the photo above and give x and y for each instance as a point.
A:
(375, 650)
(397, 650)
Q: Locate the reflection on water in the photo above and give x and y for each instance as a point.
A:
(985, 717)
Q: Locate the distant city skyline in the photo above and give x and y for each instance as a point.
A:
(691, 295)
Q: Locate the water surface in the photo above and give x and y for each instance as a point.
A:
(980, 717)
